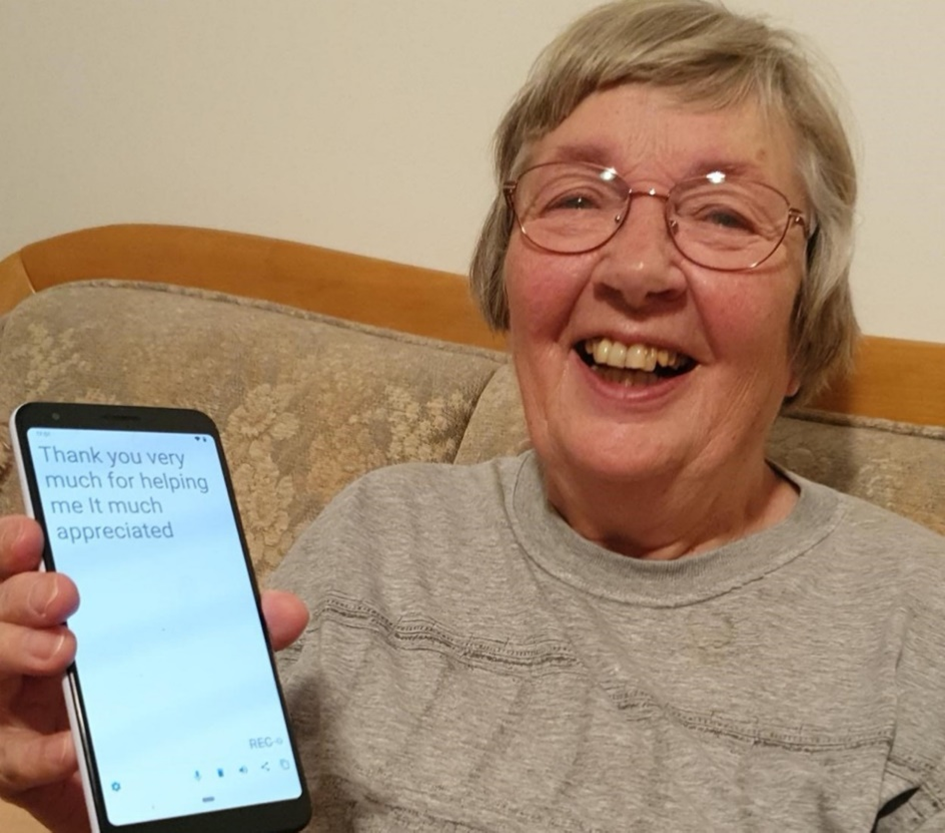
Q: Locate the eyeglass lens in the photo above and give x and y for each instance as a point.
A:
(717, 221)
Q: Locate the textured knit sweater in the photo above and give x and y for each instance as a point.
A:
(474, 664)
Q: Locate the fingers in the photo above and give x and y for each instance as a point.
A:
(32, 605)
(286, 617)
(32, 640)
(29, 760)
(21, 545)
(59, 806)
(37, 758)
(39, 600)
(35, 652)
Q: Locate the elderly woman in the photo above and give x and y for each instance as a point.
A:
(641, 623)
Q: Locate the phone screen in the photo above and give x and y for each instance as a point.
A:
(177, 689)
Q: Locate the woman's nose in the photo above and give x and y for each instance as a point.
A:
(640, 262)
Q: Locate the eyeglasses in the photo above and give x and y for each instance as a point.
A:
(718, 221)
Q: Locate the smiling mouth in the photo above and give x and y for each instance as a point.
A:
(633, 364)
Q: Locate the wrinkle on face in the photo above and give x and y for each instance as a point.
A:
(701, 449)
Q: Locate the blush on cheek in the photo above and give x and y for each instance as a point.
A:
(542, 288)
(746, 312)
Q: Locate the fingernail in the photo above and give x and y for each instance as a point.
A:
(43, 645)
(59, 751)
(42, 596)
(9, 539)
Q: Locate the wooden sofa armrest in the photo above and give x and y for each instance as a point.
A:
(364, 289)
(894, 379)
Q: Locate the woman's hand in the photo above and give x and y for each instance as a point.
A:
(286, 617)
(38, 764)
(37, 756)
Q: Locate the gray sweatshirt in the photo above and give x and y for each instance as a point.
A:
(473, 664)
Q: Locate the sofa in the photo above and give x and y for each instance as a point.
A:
(307, 401)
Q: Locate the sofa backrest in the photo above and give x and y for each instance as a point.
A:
(306, 403)
(894, 378)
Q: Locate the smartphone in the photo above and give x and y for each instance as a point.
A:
(173, 697)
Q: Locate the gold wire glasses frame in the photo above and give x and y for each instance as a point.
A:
(718, 221)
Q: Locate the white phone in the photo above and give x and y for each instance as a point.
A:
(173, 697)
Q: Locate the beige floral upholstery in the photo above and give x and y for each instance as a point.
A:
(899, 466)
(306, 403)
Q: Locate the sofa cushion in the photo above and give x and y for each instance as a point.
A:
(892, 464)
(304, 403)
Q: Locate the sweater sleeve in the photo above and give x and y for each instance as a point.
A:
(913, 795)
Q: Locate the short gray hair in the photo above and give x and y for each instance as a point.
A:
(711, 56)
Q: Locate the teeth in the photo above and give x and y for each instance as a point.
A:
(601, 350)
(641, 358)
(634, 357)
(617, 356)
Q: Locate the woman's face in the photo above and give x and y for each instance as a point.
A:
(610, 428)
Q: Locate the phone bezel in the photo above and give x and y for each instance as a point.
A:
(276, 817)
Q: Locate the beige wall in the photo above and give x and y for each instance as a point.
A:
(365, 124)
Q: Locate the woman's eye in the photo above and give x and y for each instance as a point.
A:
(723, 217)
(571, 202)
(728, 219)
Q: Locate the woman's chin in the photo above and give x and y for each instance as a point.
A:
(621, 459)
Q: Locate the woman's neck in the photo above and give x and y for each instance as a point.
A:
(668, 520)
